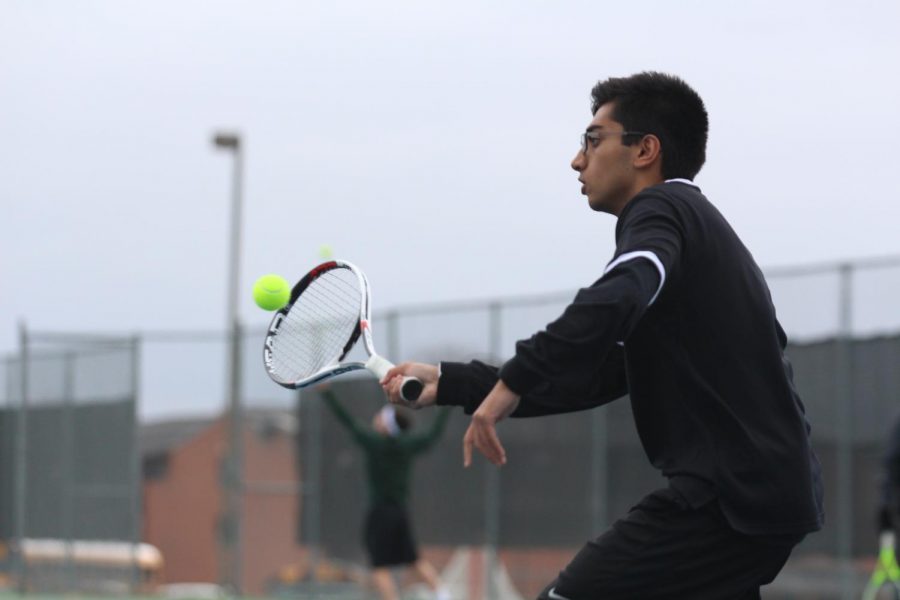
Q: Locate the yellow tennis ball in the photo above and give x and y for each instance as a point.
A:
(325, 251)
(271, 292)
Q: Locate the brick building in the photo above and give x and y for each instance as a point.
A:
(183, 497)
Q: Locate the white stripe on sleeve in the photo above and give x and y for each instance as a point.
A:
(641, 254)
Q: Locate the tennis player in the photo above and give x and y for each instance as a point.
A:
(389, 452)
(681, 320)
(889, 507)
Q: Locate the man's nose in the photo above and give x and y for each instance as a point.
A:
(578, 161)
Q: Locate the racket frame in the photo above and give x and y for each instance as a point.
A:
(375, 363)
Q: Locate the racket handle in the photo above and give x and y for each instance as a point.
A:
(411, 387)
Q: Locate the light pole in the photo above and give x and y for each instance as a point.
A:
(231, 524)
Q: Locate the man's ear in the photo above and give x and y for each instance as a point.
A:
(649, 150)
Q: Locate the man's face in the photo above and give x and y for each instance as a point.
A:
(605, 167)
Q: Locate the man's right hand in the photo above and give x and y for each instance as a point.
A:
(427, 374)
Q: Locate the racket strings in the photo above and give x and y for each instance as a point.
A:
(318, 327)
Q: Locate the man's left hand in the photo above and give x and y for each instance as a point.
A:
(482, 432)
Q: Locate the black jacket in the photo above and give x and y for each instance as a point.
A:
(681, 320)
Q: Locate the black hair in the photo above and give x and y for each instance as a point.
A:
(665, 106)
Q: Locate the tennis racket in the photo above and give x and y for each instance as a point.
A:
(886, 573)
(310, 337)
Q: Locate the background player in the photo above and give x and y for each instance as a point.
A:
(389, 450)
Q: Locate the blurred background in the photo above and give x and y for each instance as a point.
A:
(157, 157)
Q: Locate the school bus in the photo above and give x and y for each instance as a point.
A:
(80, 565)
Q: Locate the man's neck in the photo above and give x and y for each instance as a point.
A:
(640, 185)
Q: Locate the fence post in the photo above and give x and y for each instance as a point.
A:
(392, 338)
(312, 484)
(599, 470)
(492, 473)
(21, 462)
(136, 483)
(67, 451)
(844, 430)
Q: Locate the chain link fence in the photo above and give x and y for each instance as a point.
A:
(70, 467)
(74, 464)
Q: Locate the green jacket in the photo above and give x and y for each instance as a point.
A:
(388, 459)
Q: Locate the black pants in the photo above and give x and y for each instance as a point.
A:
(388, 536)
(663, 548)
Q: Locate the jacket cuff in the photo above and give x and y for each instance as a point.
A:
(452, 384)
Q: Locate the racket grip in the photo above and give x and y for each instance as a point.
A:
(411, 387)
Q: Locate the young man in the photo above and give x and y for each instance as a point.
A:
(681, 319)
(389, 452)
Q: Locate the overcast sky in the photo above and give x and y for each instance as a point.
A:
(429, 142)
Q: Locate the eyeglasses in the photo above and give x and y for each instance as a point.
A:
(595, 137)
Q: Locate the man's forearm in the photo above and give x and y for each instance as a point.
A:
(467, 384)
